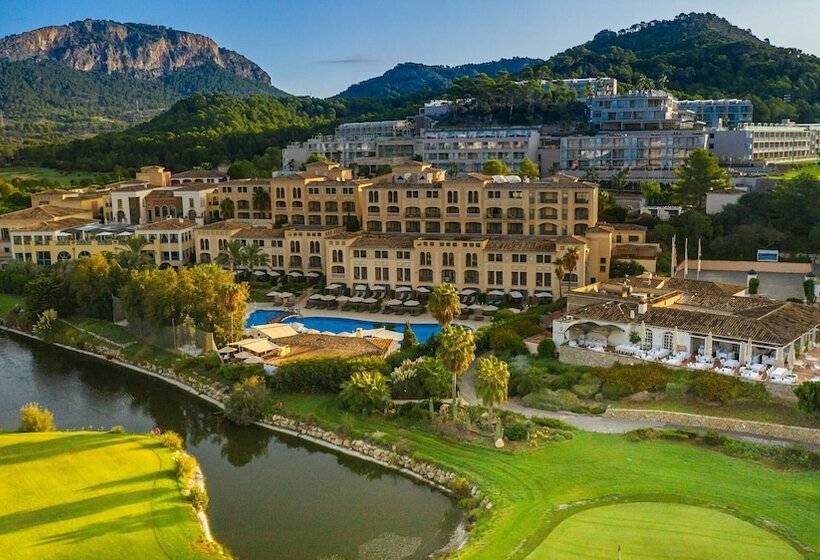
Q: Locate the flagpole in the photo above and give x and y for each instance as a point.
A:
(686, 258)
(673, 264)
(698, 276)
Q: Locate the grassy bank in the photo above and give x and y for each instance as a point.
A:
(533, 489)
(7, 303)
(41, 174)
(91, 495)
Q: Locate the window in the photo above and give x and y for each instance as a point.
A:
(314, 247)
(337, 269)
(204, 245)
(405, 255)
(425, 275)
(471, 277)
(297, 192)
(412, 227)
(668, 340)
(519, 278)
(393, 197)
(295, 247)
(471, 260)
(360, 273)
(472, 197)
(359, 254)
(373, 197)
(382, 273)
(495, 257)
(452, 198)
(452, 227)
(338, 255)
(448, 275)
(381, 254)
(495, 277)
(374, 225)
(519, 258)
(432, 227)
(473, 227)
(447, 259)
(425, 258)
(649, 339)
(543, 279)
(403, 275)
(543, 259)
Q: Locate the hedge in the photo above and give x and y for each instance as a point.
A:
(320, 375)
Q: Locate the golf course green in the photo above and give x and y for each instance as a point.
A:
(93, 495)
(654, 530)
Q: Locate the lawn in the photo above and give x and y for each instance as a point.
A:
(658, 531)
(812, 169)
(46, 174)
(7, 303)
(534, 489)
(92, 495)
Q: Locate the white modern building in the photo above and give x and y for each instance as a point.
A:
(715, 113)
(766, 143)
(467, 149)
(649, 150)
(637, 110)
(663, 213)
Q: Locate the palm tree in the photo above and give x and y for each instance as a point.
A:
(558, 269)
(261, 200)
(132, 256)
(571, 260)
(254, 257)
(444, 304)
(456, 350)
(492, 378)
(232, 256)
(226, 208)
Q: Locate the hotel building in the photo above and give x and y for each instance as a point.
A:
(718, 113)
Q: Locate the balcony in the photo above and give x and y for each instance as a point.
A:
(494, 213)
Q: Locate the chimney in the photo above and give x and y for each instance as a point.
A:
(642, 306)
(631, 313)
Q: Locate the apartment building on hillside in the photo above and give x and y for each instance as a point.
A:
(467, 149)
(728, 113)
(636, 110)
(767, 143)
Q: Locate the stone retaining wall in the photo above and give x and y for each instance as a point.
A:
(764, 429)
(586, 357)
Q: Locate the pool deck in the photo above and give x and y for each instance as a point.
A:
(372, 317)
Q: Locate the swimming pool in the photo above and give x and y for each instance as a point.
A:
(263, 317)
(340, 324)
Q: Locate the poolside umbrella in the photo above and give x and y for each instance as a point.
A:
(411, 303)
(393, 302)
(361, 288)
(370, 300)
(273, 293)
(315, 297)
(475, 306)
(333, 286)
(402, 289)
(514, 310)
(468, 291)
(516, 295)
(490, 308)
(312, 275)
(104, 234)
(125, 234)
(345, 334)
(294, 273)
(242, 355)
(328, 297)
(342, 299)
(285, 295)
(311, 331)
(543, 294)
(423, 290)
(259, 272)
(378, 287)
(495, 293)
(274, 273)
(356, 299)
(227, 350)
(253, 360)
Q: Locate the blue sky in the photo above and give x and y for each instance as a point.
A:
(320, 47)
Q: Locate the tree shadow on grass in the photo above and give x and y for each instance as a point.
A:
(137, 479)
(157, 519)
(72, 510)
(26, 451)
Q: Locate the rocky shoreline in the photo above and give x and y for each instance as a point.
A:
(443, 480)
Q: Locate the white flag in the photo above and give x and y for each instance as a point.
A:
(686, 258)
(698, 258)
(673, 265)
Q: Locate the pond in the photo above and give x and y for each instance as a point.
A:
(272, 496)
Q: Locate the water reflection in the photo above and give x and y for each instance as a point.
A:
(272, 496)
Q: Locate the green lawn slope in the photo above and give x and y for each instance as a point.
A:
(92, 495)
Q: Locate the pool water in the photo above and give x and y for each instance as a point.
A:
(340, 324)
(263, 317)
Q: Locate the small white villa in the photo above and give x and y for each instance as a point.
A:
(692, 323)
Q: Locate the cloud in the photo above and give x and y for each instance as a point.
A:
(354, 59)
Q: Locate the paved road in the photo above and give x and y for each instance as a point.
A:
(592, 423)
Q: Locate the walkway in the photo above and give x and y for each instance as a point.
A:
(592, 423)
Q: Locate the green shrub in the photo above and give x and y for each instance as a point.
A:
(460, 486)
(723, 388)
(45, 324)
(365, 391)
(547, 399)
(553, 423)
(321, 375)
(516, 432)
(808, 396)
(34, 418)
(199, 498)
(117, 429)
(186, 466)
(247, 402)
(546, 348)
(171, 440)
(532, 379)
(643, 434)
(587, 387)
(506, 341)
(621, 380)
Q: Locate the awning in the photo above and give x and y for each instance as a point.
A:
(361, 288)
(125, 234)
(285, 295)
(104, 234)
(64, 234)
(379, 288)
(242, 355)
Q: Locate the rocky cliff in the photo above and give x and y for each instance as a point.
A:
(137, 50)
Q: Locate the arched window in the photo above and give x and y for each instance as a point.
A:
(83, 254)
(471, 277)
(63, 256)
(648, 339)
(337, 269)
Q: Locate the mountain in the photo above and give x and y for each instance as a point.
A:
(701, 55)
(96, 75)
(411, 77)
(147, 51)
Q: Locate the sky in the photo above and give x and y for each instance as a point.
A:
(319, 47)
